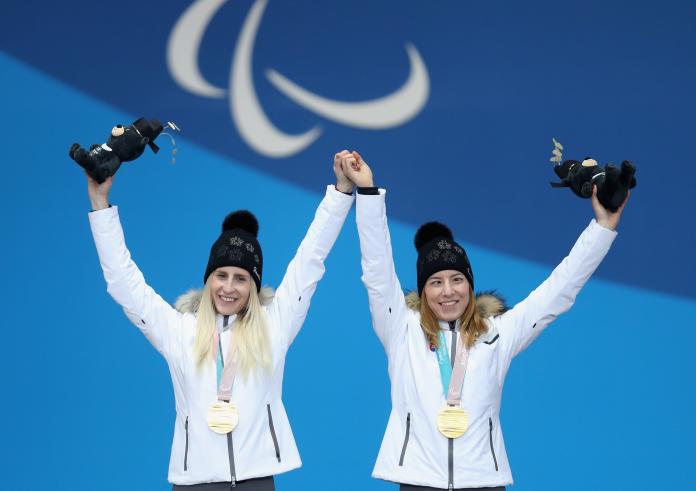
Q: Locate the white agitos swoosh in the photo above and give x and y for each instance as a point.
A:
(252, 123)
(385, 112)
(248, 115)
(183, 45)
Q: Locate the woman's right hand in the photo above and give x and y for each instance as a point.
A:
(357, 170)
(99, 193)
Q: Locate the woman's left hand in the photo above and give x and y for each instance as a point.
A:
(604, 217)
(343, 184)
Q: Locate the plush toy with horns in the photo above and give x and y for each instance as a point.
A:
(612, 182)
(125, 143)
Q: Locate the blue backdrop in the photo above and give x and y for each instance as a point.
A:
(454, 104)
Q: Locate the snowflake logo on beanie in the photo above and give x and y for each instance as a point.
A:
(256, 258)
(458, 249)
(433, 255)
(249, 247)
(236, 241)
(449, 257)
(443, 244)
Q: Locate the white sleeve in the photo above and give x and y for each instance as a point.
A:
(519, 326)
(387, 303)
(292, 298)
(126, 284)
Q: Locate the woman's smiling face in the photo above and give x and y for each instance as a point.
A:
(229, 287)
(447, 294)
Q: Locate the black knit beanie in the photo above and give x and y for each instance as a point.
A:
(237, 246)
(437, 251)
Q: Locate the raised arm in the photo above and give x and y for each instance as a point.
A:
(387, 304)
(293, 296)
(523, 323)
(125, 283)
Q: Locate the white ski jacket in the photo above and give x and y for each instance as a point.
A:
(413, 451)
(263, 443)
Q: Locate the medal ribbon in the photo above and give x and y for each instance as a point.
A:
(226, 370)
(452, 374)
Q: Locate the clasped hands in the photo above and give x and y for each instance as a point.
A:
(351, 170)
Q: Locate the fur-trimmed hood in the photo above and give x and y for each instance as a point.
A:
(489, 304)
(188, 302)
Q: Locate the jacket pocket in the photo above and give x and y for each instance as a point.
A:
(490, 440)
(273, 433)
(408, 432)
(186, 445)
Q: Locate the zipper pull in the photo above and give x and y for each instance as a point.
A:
(450, 487)
(233, 483)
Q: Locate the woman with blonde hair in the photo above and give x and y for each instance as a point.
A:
(448, 350)
(225, 346)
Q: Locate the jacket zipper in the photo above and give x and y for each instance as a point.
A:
(230, 446)
(450, 441)
(186, 447)
(230, 452)
(408, 432)
(273, 433)
(490, 439)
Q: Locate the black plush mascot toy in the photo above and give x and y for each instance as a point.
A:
(612, 182)
(125, 143)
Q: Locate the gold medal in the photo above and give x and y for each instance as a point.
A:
(223, 417)
(452, 421)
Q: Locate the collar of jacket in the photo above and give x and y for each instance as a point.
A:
(220, 322)
(188, 302)
(488, 304)
(446, 326)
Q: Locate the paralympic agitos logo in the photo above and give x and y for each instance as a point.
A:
(247, 114)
